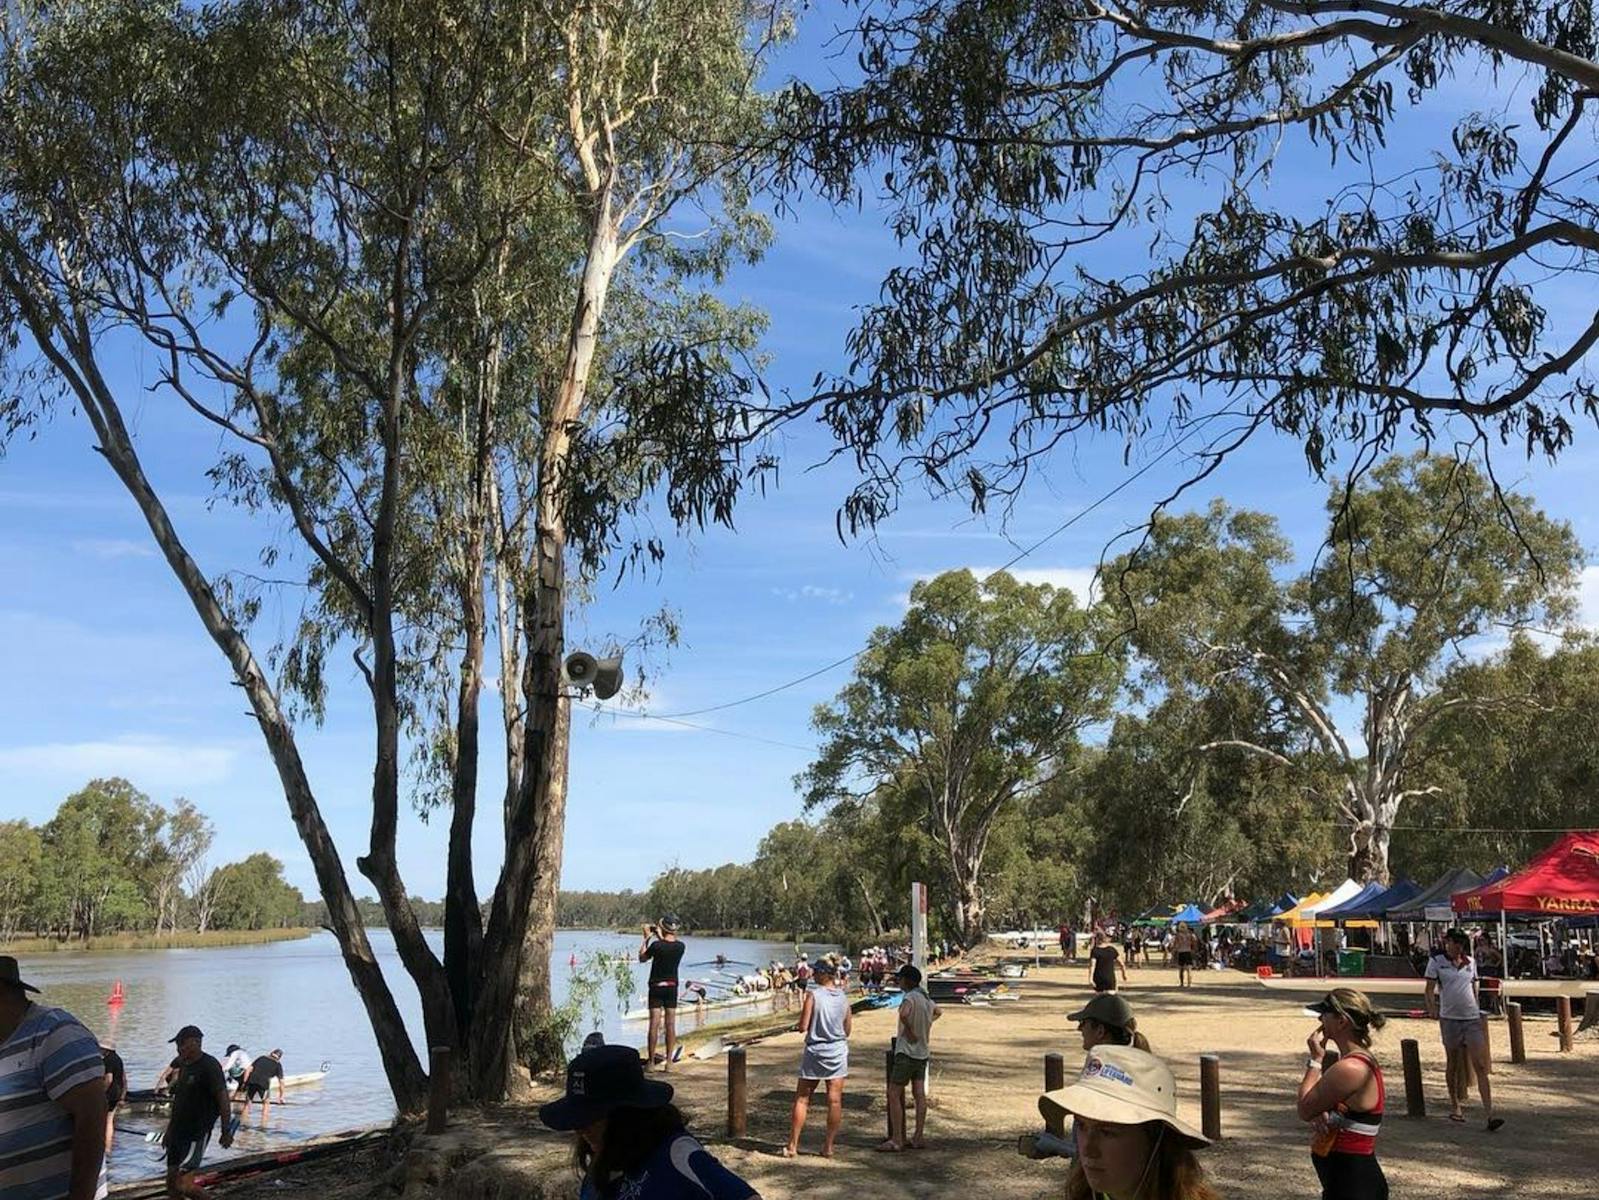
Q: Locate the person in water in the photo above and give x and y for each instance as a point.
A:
(629, 1141)
(258, 1082)
(1131, 1144)
(663, 950)
(1344, 1103)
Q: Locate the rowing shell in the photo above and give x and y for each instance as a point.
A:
(151, 1097)
(705, 1006)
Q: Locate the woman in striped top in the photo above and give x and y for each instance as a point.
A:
(1344, 1102)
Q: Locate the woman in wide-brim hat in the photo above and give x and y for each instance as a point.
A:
(1131, 1142)
(629, 1138)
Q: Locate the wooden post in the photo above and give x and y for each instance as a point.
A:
(1415, 1097)
(1518, 1041)
(1054, 1080)
(1563, 1015)
(438, 1088)
(737, 1092)
(888, 1086)
(1210, 1095)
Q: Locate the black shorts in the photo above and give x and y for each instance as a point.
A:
(1185, 958)
(663, 995)
(254, 1091)
(1350, 1176)
(184, 1154)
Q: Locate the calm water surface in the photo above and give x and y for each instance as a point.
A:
(298, 997)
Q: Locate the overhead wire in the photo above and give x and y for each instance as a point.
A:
(646, 715)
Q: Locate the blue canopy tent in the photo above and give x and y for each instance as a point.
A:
(1354, 907)
(1405, 890)
(1283, 903)
(1190, 914)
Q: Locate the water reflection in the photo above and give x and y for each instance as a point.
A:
(295, 996)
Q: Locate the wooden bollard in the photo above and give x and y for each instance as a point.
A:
(1054, 1080)
(1563, 1016)
(438, 1088)
(737, 1092)
(888, 1086)
(1415, 1097)
(1210, 1096)
(1518, 1041)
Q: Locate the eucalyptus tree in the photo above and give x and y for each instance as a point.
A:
(964, 707)
(374, 249)
(1423, 559)
(1351, 221)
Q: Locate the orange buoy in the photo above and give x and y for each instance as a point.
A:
(116, 997)
(572, 962)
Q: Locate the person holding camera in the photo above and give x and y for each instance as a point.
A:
(663, 950)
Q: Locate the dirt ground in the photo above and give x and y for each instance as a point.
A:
(988, 1071)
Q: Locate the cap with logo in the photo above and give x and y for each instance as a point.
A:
(1107, 1008)
(11, 974)
(188, 1031)
(1122, 1086)
(599, 1080)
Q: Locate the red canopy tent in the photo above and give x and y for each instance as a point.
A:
(1560, 881)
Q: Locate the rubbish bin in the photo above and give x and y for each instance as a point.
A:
(1352, 962)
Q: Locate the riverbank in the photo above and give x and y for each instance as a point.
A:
(988, 1068)
(23, 948)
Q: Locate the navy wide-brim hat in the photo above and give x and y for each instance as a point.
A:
(600, 1080)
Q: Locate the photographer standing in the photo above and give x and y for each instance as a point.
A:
(663, 951)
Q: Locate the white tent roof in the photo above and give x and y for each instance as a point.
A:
(1337, 896)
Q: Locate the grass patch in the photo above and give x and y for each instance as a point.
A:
(24, 947)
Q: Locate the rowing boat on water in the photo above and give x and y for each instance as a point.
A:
(151, 1096)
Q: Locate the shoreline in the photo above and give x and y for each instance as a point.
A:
(124, 942)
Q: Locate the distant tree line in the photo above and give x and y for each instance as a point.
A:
(112, 860)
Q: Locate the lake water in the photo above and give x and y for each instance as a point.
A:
(298, 997)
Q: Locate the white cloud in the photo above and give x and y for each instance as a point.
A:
(154, 764)
(113, 548)
(827, 595)
(1588, 598)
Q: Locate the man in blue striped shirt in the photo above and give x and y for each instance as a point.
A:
(52, 1099)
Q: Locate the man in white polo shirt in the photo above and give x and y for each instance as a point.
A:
(1460, 1020)
(52, 1099)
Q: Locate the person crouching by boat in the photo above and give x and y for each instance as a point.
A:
(826, 1021)
(629, 1140)
(663, 950)
(1131, 1144)
(1344, 1103)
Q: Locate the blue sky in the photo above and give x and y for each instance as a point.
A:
(108, 671)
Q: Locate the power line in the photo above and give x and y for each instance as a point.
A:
(732, 733)
(644, 714)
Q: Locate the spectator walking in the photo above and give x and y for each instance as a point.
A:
(917, 1012)
(1461, 1025)
(1185, 945)
(826, 1021)
(52, 1099)
(1104, 961)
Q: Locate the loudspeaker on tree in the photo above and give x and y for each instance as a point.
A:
(602, 676)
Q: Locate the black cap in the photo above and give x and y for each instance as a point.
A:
(188, 1031)
(670, 923)
(11, 975)
(1108, 1009)
(1328, 1005)
(600, 1080)
(232, 1046)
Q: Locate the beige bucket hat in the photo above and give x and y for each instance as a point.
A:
(1123, 1086)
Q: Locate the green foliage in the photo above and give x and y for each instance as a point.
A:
(1093, 243)
(970, 703)
(112, 860)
